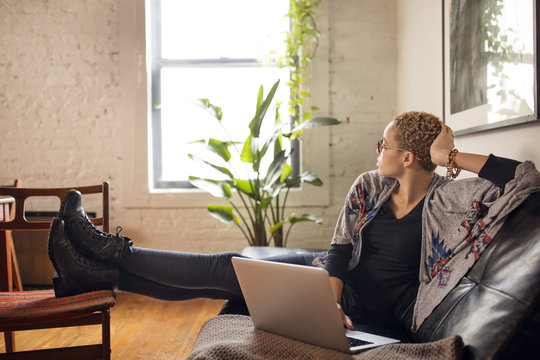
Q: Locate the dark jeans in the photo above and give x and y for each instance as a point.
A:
(170, 275)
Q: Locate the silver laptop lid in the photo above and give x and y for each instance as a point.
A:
(297, 304)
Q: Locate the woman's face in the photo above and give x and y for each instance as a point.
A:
(389, 162)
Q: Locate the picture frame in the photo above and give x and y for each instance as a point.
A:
(490, 64)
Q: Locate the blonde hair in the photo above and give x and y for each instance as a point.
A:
(416, 131)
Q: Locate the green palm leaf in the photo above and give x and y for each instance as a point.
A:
(276, 167)
(244, 186)
(305, 217)
(215, 111)
(221, 169)
(307, 177)
(255, 124)
(224, 214)
(314, 122)
(218, 147)
(215, 187)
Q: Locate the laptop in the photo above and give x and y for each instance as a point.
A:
(298, 302)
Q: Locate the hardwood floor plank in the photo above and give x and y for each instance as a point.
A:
(141, 328)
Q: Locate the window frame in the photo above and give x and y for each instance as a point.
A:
(135, 110)
(157, 63)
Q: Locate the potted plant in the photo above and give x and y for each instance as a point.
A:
(262, 190)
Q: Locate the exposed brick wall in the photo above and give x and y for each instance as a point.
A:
(59, 88)
(362, 38)
(60, 123)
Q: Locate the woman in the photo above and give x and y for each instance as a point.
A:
(404, 232)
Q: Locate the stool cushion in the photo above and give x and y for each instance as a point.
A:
(38, 305)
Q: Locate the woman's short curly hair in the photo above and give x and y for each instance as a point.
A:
(416, 131)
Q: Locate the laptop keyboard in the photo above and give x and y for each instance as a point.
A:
(357, 342)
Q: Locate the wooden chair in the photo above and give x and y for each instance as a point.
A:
(14, 278)
(29, 310)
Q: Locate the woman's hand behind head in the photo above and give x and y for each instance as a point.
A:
(442, 146)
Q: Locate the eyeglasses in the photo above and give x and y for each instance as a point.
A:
(381, 147)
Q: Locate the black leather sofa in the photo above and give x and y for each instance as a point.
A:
(495, 307)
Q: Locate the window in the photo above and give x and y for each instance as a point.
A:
(208, 49)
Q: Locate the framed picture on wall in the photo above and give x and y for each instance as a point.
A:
(490, 63)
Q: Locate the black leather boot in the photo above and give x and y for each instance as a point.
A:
(86, 237)
(76, 273)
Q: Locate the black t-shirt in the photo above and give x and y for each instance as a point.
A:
(390, 258)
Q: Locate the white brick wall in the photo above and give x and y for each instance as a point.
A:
(60, 125)
(58, 92)
(362, 86)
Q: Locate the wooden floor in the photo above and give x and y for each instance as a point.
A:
(141, 328)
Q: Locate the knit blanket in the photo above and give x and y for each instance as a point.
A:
(234, 337)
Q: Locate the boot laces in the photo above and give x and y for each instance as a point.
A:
(93, 231)
(97, 234)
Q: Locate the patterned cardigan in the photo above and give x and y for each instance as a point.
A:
(459, 220)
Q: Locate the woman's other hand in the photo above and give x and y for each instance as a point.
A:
(443, 143)
(346, 320)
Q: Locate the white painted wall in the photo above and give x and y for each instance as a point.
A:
(62, 120)
(419, 84)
